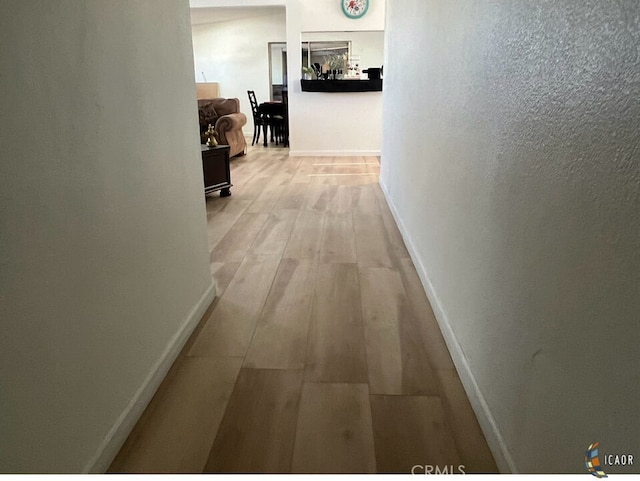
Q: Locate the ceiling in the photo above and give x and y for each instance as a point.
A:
(200, 16)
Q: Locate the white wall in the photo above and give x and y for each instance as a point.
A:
(511, 158)
(236, 54)
(103, 246)
(330, 123)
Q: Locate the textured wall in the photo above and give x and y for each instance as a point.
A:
(518, 188)
(103, 242)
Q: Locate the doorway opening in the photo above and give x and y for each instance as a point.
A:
(277, 70)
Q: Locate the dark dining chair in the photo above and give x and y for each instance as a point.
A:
(269, 116)
(258, 118)
(276, 117)
(275, 120)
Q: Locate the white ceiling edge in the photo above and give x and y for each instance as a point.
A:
(235, 3)
(210, 15)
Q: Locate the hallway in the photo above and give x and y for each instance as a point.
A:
(321, 353)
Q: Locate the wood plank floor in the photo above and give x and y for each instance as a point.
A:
(321, 353)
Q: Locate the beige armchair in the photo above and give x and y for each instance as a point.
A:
(225, 116)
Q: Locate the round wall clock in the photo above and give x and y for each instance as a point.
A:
(355, 8)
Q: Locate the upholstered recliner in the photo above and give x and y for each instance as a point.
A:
(226, 118)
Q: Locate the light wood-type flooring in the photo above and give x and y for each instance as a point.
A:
(321, 353)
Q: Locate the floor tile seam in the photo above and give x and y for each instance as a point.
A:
(224, 414)
(248, 250)
(373, 436)
(418, 319)
(334, 383)
(445, 412)
(366, 359)
(235, 383)
(270, 369)
(309, 327)
(363, 323)
(218, 300)
(354, 234)
(230, 228)
(449, 412)
(396, 395)
(350, 383)
(257, 200)
(317, 264)
(262, 305)
(188, 344)
(297, 419)
(279, 192)
(262, 313)
(293, 224)
(211, 357)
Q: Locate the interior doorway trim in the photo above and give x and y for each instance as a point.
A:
(275, 90)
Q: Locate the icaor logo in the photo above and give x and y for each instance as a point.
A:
(592, 462)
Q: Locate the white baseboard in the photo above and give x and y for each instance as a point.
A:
(334, 153)
(129, 417)
(492, 433)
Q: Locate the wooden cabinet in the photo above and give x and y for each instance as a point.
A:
(373, 85)
(215, 166)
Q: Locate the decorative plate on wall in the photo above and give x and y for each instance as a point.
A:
(355, 8)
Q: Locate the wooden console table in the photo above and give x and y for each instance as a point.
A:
(215, 166)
